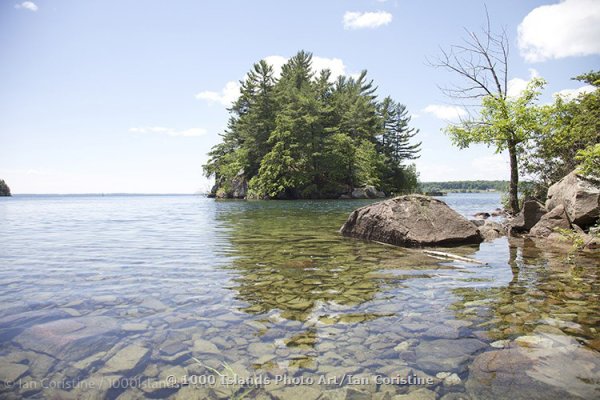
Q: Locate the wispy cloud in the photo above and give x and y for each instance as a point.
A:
(445, 112)
(170, 131)
(227, 95)
(570, 94)
(27, 5)
(569, 28)
(362, 20)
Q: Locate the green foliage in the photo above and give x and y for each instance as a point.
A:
(303, 136)
(505, 123)
(568, 134)
(590, 160)
(577, 240)
(502, 122)
(4, 189)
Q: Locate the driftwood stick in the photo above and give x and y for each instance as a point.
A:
(452, 256)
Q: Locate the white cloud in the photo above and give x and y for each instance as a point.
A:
(231, 91)
(27, 5)
(517, 85)
(226, 96)
(360, 20)
(445, 112)
(570, 94)
(569, 28)
(169, 131)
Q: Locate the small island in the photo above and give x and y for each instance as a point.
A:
(4, 189)
(305, 135)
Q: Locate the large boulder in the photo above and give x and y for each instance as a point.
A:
(412, 220)
(530, 215)
(579, 195)
(557, 218)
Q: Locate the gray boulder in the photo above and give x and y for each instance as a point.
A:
(530, 214)
(491, 230)
(367, 192)
(239, 187)
(579, 195)
(557, 218)
(412, 220)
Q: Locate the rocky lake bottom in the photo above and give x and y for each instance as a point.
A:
(184, 297)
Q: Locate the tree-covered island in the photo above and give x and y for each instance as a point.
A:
(306, 135)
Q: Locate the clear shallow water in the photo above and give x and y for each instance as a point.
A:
(130, 296)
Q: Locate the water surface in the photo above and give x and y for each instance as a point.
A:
(188, 297)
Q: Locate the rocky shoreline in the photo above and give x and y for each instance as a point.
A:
(569, 217)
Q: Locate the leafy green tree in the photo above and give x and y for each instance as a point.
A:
(503, 122)
(568, 132)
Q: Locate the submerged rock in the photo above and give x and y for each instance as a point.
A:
(412, 220)
(126, 359)
(72, 338)
(446, 354)
(580, 197)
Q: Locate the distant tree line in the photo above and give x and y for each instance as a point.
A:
(306, 135)
(463, 186)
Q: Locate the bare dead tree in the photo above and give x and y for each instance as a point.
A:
(481, 60)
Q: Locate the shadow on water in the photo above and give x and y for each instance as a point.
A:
(549, 291)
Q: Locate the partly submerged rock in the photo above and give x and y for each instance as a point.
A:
(537, 368)
(412, 220)
(491, 230)
(579, 195)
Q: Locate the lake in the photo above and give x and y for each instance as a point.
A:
(187, 297)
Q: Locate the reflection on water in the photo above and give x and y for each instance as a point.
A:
(151, 297)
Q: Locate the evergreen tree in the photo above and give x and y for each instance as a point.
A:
(304, 136)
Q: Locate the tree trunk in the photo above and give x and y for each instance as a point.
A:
(513, 191)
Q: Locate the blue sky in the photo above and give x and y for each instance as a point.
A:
(129, 96)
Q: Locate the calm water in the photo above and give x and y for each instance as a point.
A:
(188, 297)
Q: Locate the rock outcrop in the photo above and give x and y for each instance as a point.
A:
(580, 197)
(4, 189)
(530, 215)
(412, 220)
(367, 192)
(557, 218)
(237, 188)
